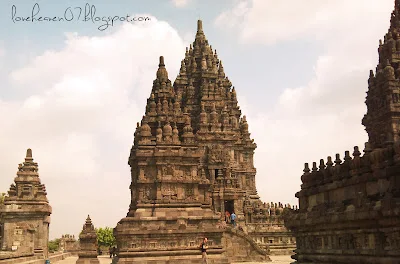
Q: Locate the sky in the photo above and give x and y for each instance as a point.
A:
(72, 91)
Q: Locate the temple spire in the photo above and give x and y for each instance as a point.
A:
(162, 73)
(377, 121)
(395, 18)
(199, 26)
(29, 153)
(200, 39)
(28, 157)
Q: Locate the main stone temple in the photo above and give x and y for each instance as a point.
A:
(191, 163)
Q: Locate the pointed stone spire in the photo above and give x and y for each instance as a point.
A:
(199, 26)
(88, 243)
(175, 135)
(27, 200)
(395, 18)
(200, 40)
(152, 105)
(214, 114)
(162, 73)
(382, 116)
(221, 72)
(28, 154)
(159, 133)
(203, 64)
(88, 223)
(194, 65)
(28, 165)
(182, 71)
(145, 130)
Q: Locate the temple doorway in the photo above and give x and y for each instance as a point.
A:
(229, 206)
(216, 173)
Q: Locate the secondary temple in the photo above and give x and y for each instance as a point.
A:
(87, 253)
(350, 209)
(25, 214)
(191, 164)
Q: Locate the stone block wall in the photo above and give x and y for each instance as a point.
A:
(350, 212)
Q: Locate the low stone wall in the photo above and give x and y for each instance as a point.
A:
(12, 257)
(58, 256)
(32, 259)
(281, 249)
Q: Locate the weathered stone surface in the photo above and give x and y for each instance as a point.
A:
(350, 210)
(88, 244)
(191, 161)
(69, 244)
(25, 213)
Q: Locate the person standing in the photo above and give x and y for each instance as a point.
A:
(204, 250)
(233, 219)
(227, 217)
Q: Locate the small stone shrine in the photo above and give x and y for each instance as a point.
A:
(350, 209)
(88, 244)
(25, 213)
(68, 244)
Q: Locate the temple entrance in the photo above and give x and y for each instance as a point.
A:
(229, 206)
(216, 173)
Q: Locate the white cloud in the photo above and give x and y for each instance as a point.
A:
(323, 116)
(79, 114)
(271, 21)
(180, 3)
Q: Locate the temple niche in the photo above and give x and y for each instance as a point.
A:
(350, 209)
(25, 214)
(191, 161)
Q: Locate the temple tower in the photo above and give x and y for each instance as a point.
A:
(88, 244)
(25, 214)
(191, 161)
(382, 121)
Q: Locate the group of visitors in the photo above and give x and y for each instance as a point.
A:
(230, 218)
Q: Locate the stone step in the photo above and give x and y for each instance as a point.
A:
(36, 261)
(20, 260)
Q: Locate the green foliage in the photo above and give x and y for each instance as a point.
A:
(54, 245)
(105, 237)
(2, 196)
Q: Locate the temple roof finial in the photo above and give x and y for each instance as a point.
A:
(29, 153)
(162, 74)
(28, 157)
(161, 61)
(199, 26)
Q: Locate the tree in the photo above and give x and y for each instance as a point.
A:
(54, 245)
(2, 196)
(105, 237)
